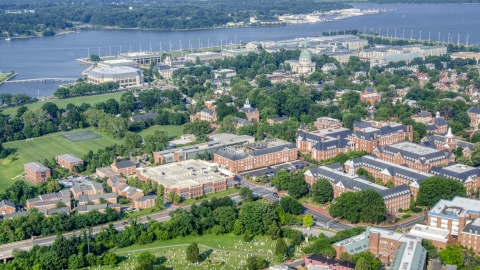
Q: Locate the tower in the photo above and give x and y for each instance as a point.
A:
(247, 104)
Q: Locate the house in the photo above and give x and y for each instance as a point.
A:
(36, 172)
(130, 192)
(205, 114)
(327, 122)
(240, 122)
(437, 125)
(88, 189)
(277, 120)
(69, 161)
(474, 114)
(144, 117)
(51, 211)
(7, 208)
(144, 202)
(326, 143)
(370, 95)
(447, 142)
(126, 167)
(97, 198)
(105, 172)
(116, 183)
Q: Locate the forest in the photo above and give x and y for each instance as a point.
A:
(52, 15)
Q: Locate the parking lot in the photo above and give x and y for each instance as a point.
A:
(272, 170)
(72, 181)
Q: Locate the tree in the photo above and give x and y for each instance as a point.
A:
(225, 216)
(159, 203)
(362, 264)
(367, 261)
(274, 231)
(322, 191)
(95, 58)
(160, 190)
(281, 247)
(452, 254)
(366, 205)
(257, 216)
(431, 249)
(256, 263)
(132, 140)
(434, 188)
(238, 227)
(110, 259)
(246, 194)
(297, 186)
(193, 253)
(290, 205)
(308, 220)
(146, 259)
(246, 237)
(63, 247)
(76, 262)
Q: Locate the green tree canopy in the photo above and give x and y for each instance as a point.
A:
(322, 191)
(436, 188)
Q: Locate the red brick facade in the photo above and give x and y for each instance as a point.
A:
(36, 172)
(63, 161)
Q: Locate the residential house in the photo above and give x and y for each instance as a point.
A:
(126, 167)
(7, 208)
(144, 202)
(88, 189)
(250, 112)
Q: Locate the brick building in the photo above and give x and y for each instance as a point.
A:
(126, 167)
(36, 172)
(447, 142)
(382, 243)
(394, 198)
(277, 120)
(474, 114)
(96, 198)
(145, 202)
(414, 156)
(370, 95)
(467, 175)
(116, 183)
(102, 208)
(205, 114)
(332, 263)
(130, 192)
(49, 200)
(250, 112)
(216, 142)
(324, 144)
(397, 174)
(7, 208)
(88, 189)
(68, 161)
(409, 255)
(437, 125)
(327, 122)
(189, 179)
(255, 155)
(367, 134)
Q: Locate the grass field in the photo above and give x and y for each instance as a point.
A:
(62, 103)
(3, 76)
(50, 146)
(215, 248)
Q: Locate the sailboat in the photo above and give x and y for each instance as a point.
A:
(8, 37)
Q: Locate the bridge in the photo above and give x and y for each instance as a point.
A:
(44, 80)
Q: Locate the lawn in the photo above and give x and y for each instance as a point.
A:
(173, 131)
(3, 76)
(45, 147)
(215, 249)
(62, 103)
(50, 146)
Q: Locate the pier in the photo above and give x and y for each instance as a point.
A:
(44, 80)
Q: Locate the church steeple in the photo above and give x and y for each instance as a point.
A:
(247, 104)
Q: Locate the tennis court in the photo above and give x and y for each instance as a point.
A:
(81, 136)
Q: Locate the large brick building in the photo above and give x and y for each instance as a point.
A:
(255, 155)
(49, 200)
(36, 172)
(88, 189)
(126, 167)
(205, 114)
(7, 208)
(382, 243)
(96, 198)
(394, 198)
(414, 156)
(327, 122)
(145, 202)
(190, 178)
(448, 143)
(437, 125)
(69, 161)
(468, 176)
(324, 144)
(474, 114)
(397, 174)
(370, 95)
(250, 112)
(367, 134)
(460, 217)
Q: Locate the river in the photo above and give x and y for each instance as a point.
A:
(54, 57)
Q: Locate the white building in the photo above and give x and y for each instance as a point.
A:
(304, 65)
(125, 76)
(228, 73)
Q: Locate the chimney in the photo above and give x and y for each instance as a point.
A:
(338, 137)
(323, 139)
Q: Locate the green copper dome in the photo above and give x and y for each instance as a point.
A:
(305, 55)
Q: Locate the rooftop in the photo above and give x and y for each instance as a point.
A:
(36, 166)
(184, 174)
(115, 72)
(254, 149)
(69, 158)
(409, 256)
(457, 207)
(431, 233)
(413, 148)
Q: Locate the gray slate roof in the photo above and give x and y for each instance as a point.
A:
(86, 208)
(86, 198)
(242, 121)
(146, 198)
(52, 211)
(455, 171)
(474, 110)
(207, 111)
(144, 117)
(414, 152)
(125, 164)
(280, 119)
(6, 203)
